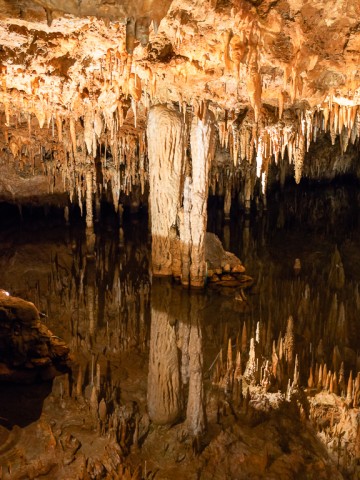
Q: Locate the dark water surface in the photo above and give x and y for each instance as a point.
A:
(103, 305)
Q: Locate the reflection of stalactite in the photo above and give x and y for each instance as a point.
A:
(90, 308)
(195, 414)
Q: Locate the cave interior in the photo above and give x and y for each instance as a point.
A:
(179, 240)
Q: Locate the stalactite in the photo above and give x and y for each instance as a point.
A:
(89, 199)
(254, 87)
(89, 128)
(226, 39)
(299, 154)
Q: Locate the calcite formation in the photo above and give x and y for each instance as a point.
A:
(266, 80)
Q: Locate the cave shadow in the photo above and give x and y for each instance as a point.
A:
(22, 404)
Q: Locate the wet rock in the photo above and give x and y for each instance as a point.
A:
(217, 257)
(238, 269)
(28, 349)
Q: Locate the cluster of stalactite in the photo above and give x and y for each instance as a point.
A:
(280, 369)
(65, 155)
(276, 136)
(84, 101)
(123, 424)
(92, 132)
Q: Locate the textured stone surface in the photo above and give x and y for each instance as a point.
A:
(82, 87)
(28, 349)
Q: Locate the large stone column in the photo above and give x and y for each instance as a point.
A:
(196, 195)
(165, 134)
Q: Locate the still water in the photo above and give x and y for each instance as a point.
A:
(123, 326)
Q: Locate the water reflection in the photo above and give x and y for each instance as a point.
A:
(150, 347)
(101, 303)
(176, 356)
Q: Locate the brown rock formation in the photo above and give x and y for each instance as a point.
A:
(28, 349)
(255, 83)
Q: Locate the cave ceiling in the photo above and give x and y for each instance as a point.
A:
(80, 73)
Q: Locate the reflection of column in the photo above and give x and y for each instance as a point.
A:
(164, 389)
(165, 132)
(195, 414)
(226, 236)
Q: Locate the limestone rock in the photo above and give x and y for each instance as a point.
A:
(27, 347)
(215, 255)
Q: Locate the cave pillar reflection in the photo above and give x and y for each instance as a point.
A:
(164, 383)
(176, 357)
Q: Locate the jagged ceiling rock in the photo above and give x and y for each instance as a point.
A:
(113, 9)
(90, 78)
(229, 52)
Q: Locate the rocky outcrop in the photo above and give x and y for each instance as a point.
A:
(217, 257)
(28, 349)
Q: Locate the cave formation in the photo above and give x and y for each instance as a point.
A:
(163, 106)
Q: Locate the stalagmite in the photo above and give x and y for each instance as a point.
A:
(238, 370)
(289, 341)
(311, 379)
(165, 133)
(250, 370)
(349, 390)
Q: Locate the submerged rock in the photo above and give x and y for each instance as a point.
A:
(28, 349)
